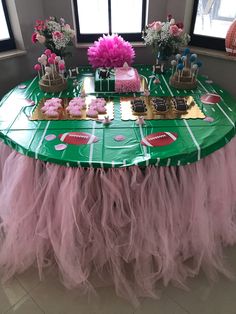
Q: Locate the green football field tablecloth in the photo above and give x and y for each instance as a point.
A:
(196, 138)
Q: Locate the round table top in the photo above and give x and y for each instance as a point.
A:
(121, 143)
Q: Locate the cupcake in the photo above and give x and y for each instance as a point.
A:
(75, 113)
(92, 113)
(101, 109)
(52, 114)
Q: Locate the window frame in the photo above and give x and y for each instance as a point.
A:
(7, 44)
(89, 38)
(214, 43)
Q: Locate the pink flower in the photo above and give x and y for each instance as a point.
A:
(40, 38)
(33, 38)
(57, 35)
(175, 31)
(67, 27)
(155, 26)
(180, 25)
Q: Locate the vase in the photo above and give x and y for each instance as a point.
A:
(161, 63)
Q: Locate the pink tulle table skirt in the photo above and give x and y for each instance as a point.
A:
(140, 226)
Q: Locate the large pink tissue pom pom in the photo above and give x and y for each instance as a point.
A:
(110, 51)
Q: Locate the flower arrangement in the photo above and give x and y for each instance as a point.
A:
(110, 51)
(55, 35)
(166, 37)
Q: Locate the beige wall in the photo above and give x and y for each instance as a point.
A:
(16, 70)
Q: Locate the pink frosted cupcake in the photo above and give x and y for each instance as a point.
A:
(75, 113)
(101, 101)
(101, 109)
(52, 114)
(92, 113)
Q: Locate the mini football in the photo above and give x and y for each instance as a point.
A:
(210, 99)
(159, 139)
(78, 138)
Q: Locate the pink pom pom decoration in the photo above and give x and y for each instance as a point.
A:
(110, 51)
(37, 67)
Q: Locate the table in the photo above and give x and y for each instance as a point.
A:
(197, 138)
(140, 224)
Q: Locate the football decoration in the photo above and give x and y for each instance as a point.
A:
(159, 139)
(230, 40)
(78, 138)
(210, 99)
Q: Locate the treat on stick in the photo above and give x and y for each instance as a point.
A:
(48, 71)
(173, 63)
(62, 70)
(37, 67)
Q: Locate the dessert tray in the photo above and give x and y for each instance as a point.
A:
(37, 113)
(155, 108)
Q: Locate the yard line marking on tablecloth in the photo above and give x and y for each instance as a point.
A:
(113, 164)
(162, 89)
(194, 139)
(142, 138)
(30, 84)
(41, 140)
(168, 86)
(155, 91)
(203, 86)
(178, 163)
(168, 162)
(225, 115)
(67, 164)
(177, 92)
(221, 91)
(60, 94)
(149, 83)
(38, 94)
(78, 163)
(158, 160)
(124, 162)
(91, 145)
(135, 162)
(101, 164)
(213, 109)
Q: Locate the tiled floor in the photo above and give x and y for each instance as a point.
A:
(25, 294)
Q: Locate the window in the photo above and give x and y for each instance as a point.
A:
(210, 22)
(97, 17)
(6, 36)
